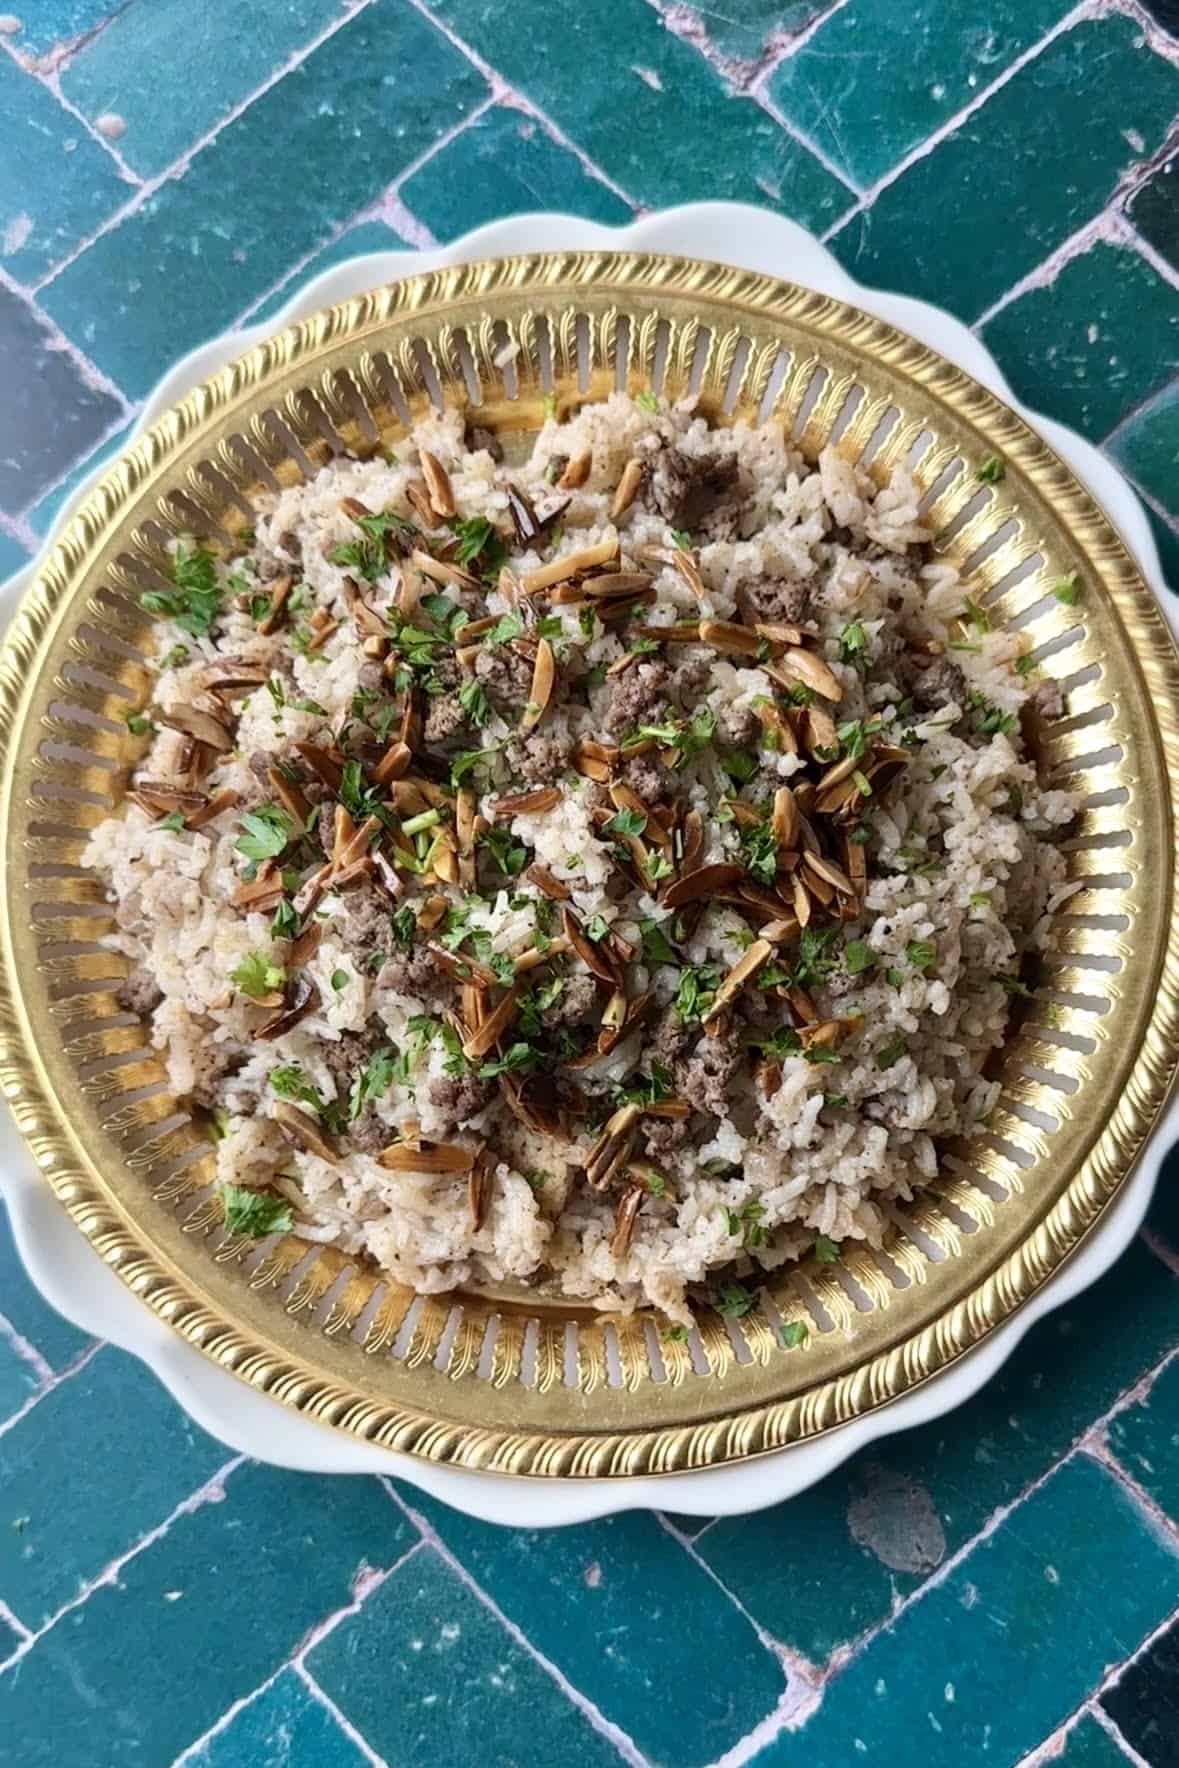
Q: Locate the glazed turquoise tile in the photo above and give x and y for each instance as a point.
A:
(284, 1726)
(19, 1379)
(48, 414)
(13, 557)
(1148, 447)
(93, 1420)
(188, 94)
(46, 25)
(929, 59)
(656, 118)
(1163, 1216)
(51, 1336)
(1008, 1645)
(818, 1571)
(746, 29)
(504, 164)
(349, 116)
(992, 199)
(1094, 343)
(428, 1675)
(1145, 1439)
(1089, 1745)
(44, 512)
(9, 1640)
(56, 183)
(596, 1600)
(195, 1621)
(366, 236)
(1154, 210)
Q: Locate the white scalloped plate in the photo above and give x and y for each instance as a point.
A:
(71, 1275)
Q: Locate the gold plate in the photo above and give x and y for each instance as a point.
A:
(503, 1382)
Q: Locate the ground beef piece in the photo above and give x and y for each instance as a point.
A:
(413, 972)
(654, 783)
(325, 828)
(540, 759)
(445, 720)
(777, 599)
(573, 1005)
(665, 1136)
(366, 929)
(841, 985)
(704, 1076)
(139, 992)
(933, 684)
(1047, 700)
(458, 1098)
(640, 697)
(506, 676)
(691, 681)
(697, 493)
(346, 1057)
(738, 726)
(669, 1040)
(370, 1133)
(477, 438)
(260, 764)
(371, 676)
(214, 1064)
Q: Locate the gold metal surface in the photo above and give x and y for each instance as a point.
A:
(499, 1381)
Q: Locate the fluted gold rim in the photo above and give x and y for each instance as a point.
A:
(472, 1393)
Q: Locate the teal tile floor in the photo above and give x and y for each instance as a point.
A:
(998, 1587)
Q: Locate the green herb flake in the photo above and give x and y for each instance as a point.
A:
(734, 1301)
(858, 956)
(475, 703)
(257, 976)
(657, 948)
(890, 1053)
(265, 832)
(138, 723)
(627, 822)
(794, 1333)
(196, 601)
(340, 980)
(647, 400)
(992, 471)
(826, 1250)
(173, 823)
(853, 645)
(1068, 589)
(254, 1213)
(921, 953)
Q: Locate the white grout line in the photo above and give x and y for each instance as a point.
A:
(1132, 237)
(790, 46)
(413, 231)
(50, 80)
(212, 1491)
(27, 1352)
(25, 1634)
(88, 372)
(180, 165)
(1084, 9)
(588, 1709)
(1114, 1732)
(35, 1399)
(346, 1726)
(805, 141)
(1098, 1449)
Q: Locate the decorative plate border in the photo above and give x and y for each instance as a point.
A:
(711, 217)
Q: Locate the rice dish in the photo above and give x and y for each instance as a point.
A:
(610, 872)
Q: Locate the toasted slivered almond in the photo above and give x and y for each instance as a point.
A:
(410, 730)
(768, 1076)
(599, 751)
(625, 1216)
(688, 566)
(419, 501)
(785, 818)
(429, 1157)
(223, 800)
(269, 879)
(744, 815)
(393, 763)
(201, 725)
(343, 829)
(479, 1187)
(806, 667)
(560, 570)
(629, 486)
(597, 961)
(619, 611)
(438, 486)
(280, 589)
(800, 896)
(494, 1025)
(544, 881)
(704, 881)
(306, 946)
(778, 632)
(526, 803)
(301, 1130)
(326, 765)
(802, 1005)
(577, 471)
(693, 841)
(676, 1109)
(719, 1027)
(442, 571)
(353, 507)
(830, 1033)
(359, 842)
(856, 861)
(835, 775)
(656, 831)
(818, 728)
(774, 721)
(530, 959)
(234, 672)
(614, 1012)
(301, 997)
(591, 768)
(612, 585)
(310, 892)
(544, 676)
(612, 1148)
(431, 912)
(778, 932)
(729, 638)
(320, 635)
(747, 966)
(473, 1000)
(829, 872)
(621, 664)
(407, 798)
(162, 795)
(822, 892)
(679, 632)
(368, 622)
(465, 807)
(289, 796)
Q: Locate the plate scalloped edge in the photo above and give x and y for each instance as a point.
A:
(72, 1276)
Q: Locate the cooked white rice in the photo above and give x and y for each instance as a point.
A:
(961, 872)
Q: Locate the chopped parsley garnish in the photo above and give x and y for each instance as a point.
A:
(373, 1081)
(519, 1056)
(196, 601)
(890, 1053)
(479, 541)
(138, 723)
(507, 627)
(359, 800)
(992, 471)
(975, 615)
(1026, 665)
(657, 948)
(815, 956)
(475, 703)
(366, 557)
(746, 1223)
(990, 720)
(256, 1213)
(626, 822)
(285, 924)
(508, 854)
(265, 832)
(1068, 589)
(980, 899)
(1012, 985)
(794, 1333)
(853, 645)
(826, 1250)
(696, 993)
(176, 658)
(596, 928)
(858, 956)
(648, 1089)
(734, 1301)
(257, 976)
(648, 400)
(290, 1082)
(739, 765)
(340, 980)
(759, 852)
(920, 953)
(551, 626)
(173, 823)
(404, 925)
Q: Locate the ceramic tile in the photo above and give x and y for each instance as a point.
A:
(1147, 446)
(1144, 1702)
(49, 413)
(51, 1336)
(283, 1727)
